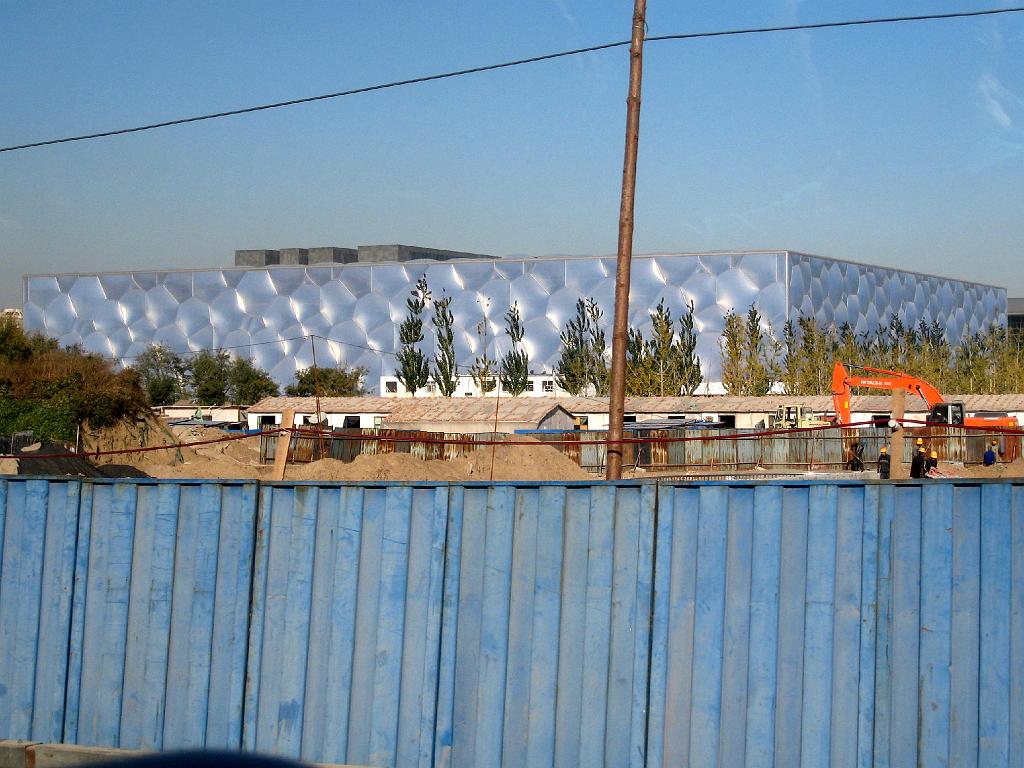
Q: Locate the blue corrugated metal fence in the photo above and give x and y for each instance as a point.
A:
(785, 624)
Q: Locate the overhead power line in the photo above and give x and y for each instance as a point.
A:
(507, 64)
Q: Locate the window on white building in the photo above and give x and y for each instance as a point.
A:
(391, 387)
(529, 386)
(547, 385)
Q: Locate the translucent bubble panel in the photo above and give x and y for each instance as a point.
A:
(258, 311)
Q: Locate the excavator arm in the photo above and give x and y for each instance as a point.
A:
(876, 378)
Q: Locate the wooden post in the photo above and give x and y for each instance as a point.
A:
(284, 443)
(620, 325)
(897, 469)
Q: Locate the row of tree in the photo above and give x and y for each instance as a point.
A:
(417, 368)
(664, 364)
(215, 378)
(754, 361)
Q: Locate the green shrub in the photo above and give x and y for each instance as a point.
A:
(51, 391)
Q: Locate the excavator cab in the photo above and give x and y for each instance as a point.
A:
(792, 416)
(947, 413)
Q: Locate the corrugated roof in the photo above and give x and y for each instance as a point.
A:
(527, 409)
(731, 404)
(382, 405)
(404, 409)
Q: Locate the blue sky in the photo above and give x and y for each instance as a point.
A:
(900, 145)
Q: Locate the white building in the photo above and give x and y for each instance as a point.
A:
(425, 414)
(476, 414)
(536, 386)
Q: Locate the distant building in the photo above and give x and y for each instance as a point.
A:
(477, 414)
(353, 303)
(364, 254)
(187, 410)
(1015, 315)
(339, 412)
(537, 385)
(426, 414)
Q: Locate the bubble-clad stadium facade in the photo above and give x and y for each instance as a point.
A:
(269, 313)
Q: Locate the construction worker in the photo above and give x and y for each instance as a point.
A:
(855, 457)
(884, 462)
(990, 455)
(931, 464)
(917, 463)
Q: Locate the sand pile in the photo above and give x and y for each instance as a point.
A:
(385, 466)
(511, 462)
(244, 450)
(999, 469)
(229, 460)
(210, 469)
(8, 466)
(239, 459)
(523, 462)
(131, 434)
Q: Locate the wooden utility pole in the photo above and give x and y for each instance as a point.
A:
(897, 469)
(316, 392)
(284, 442)
(620, 327)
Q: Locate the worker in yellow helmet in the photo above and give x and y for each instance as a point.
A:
(884, 463)
(931, 464)
(917, 463)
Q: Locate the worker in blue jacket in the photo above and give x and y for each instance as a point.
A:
(990, 455)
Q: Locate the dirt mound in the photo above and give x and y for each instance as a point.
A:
(128, 435)
(243, 450)
(239, 459)
(384, 466)
(511, 462)
(999, 469)
(523, 462)
(208, 468)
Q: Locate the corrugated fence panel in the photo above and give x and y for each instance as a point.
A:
(38, 532)
(838, 624)
(346, 620)
(160, 615)
(551, 587)
(796, 623)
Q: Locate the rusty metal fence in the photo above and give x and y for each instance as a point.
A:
(346, 444)
(690, 451)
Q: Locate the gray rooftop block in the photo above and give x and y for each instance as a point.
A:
(257, 258)
(380, 253)
(332, 255)
(294, 256)
(375, 254)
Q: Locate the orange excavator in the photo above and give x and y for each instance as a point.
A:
(939, 411)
